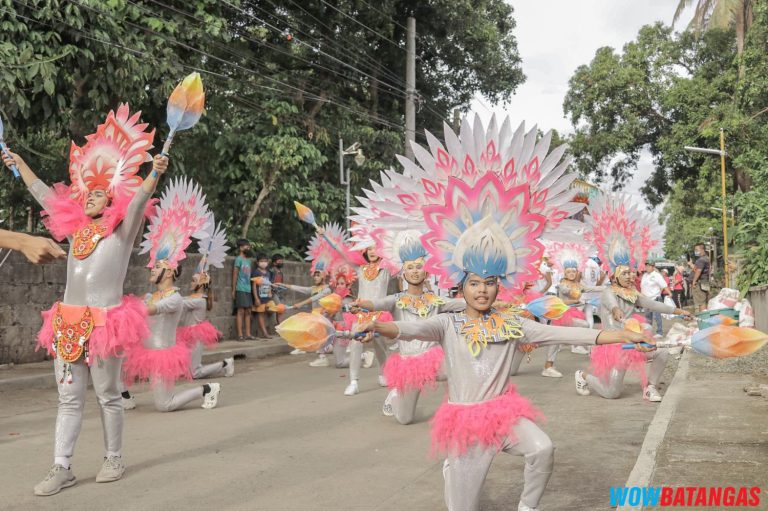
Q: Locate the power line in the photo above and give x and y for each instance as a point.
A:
(364, 25)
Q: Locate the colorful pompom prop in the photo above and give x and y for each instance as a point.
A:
(331, 303)
(185, 106)
(305, 214)
(310, 332)
(279, 308)
(720, 319)
(720, 341)
(547, 307)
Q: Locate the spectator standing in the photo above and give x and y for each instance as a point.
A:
(277, 280)
(653, 286)
(262, 293)
(701, 278)
(678, 289)
(241, 289)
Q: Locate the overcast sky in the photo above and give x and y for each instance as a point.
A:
(554, 37)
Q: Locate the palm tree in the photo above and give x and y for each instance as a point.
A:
(720, 14)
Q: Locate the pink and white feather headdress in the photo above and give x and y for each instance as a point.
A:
(566, 254)
(181, 215)
(109, 161)
(325, 257)
(484, 201)
(611, 227)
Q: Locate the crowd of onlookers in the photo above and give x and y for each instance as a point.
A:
(256, 289)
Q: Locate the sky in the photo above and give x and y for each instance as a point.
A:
(554, 37)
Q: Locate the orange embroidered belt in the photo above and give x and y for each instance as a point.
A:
(72, 327)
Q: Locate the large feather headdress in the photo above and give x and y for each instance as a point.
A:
(181, 215)
(566, 254)
(213, 247)
(483, 201)
(611, 228)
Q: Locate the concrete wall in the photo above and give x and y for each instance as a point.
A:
(26, 289)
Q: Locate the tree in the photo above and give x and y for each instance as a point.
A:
(662, 92)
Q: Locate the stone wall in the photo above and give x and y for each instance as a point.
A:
(26, 289)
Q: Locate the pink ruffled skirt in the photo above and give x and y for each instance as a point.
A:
(457, 427)
(203, 332)
(414, 372)
(125, 328)
(157, 365)
(605, 357)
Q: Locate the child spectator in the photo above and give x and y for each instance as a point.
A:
(241, 289)
(262, 292)
(276, 278)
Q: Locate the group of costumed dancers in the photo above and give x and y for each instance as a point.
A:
(480, 212)
(95, 329)
(476, 211)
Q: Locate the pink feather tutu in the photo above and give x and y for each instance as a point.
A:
(605, 357)
(567, 319)
(203, 332)
(163, 365)
(125, 327)
(414, 372)
(456, 427)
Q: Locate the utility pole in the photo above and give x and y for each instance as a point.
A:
(410, 87)
(456, 120)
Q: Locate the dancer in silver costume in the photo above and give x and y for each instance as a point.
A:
(482, 227)
(199, 333)
(181, 215)
(100, 213)
(373, 282)
(166, 307)
(618, 303)
(418, 364)
(621, 237)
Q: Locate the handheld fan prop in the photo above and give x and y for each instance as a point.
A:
(331, 303)
(4, 148)
(305, 214)
(310, 332)
(720, 341)
(185, 106)
(547, 307)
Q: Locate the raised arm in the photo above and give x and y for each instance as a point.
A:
(39, 190)
(313, 298)
(453, 305)
(131, 224)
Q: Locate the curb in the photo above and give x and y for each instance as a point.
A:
(646, 461)
(46, 379)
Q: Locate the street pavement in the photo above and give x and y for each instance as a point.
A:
(285, 438)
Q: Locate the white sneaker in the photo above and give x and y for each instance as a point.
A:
(57, 479)
(129, 404)
(382, 381)
(212, 398)
(551, 372)
(579, 350)
(368, 358)
(229, 370)
(394, 347)
(582, 388)
(112, 469)
(321, 361)
(658, 336)
(387, 408)
(351, 389)
(651, 394)
(297, 351)
(523, 507)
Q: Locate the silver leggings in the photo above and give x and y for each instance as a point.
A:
(340, 354)
(464, 475)
(167, 399)
(612, 387)
(204, 371)
(589, 312)
(356, 356)
(404, 405)
(106, 382)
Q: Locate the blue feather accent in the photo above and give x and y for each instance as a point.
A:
(412, 249)
(570, 263)
(486, 263)
(163, 253)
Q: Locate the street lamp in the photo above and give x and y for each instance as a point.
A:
(721, 152)
(344, 174)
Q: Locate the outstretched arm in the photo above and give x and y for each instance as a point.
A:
(36, 249)
(545, 335)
